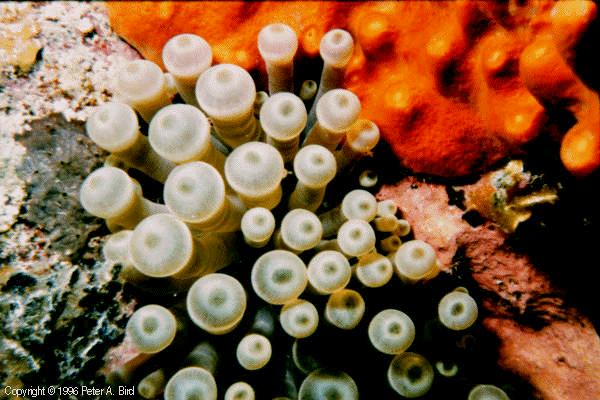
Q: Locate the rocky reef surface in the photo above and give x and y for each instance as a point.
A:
(61, 306)
(543, 316)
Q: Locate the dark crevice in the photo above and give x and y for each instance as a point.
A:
(473, 218)
(455, 197)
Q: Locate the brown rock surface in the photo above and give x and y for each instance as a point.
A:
(543, 340)
(560, 360)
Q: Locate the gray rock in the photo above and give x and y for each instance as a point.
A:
(59, 156)
(61, 307)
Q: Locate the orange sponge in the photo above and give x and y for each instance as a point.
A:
(453, 86)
